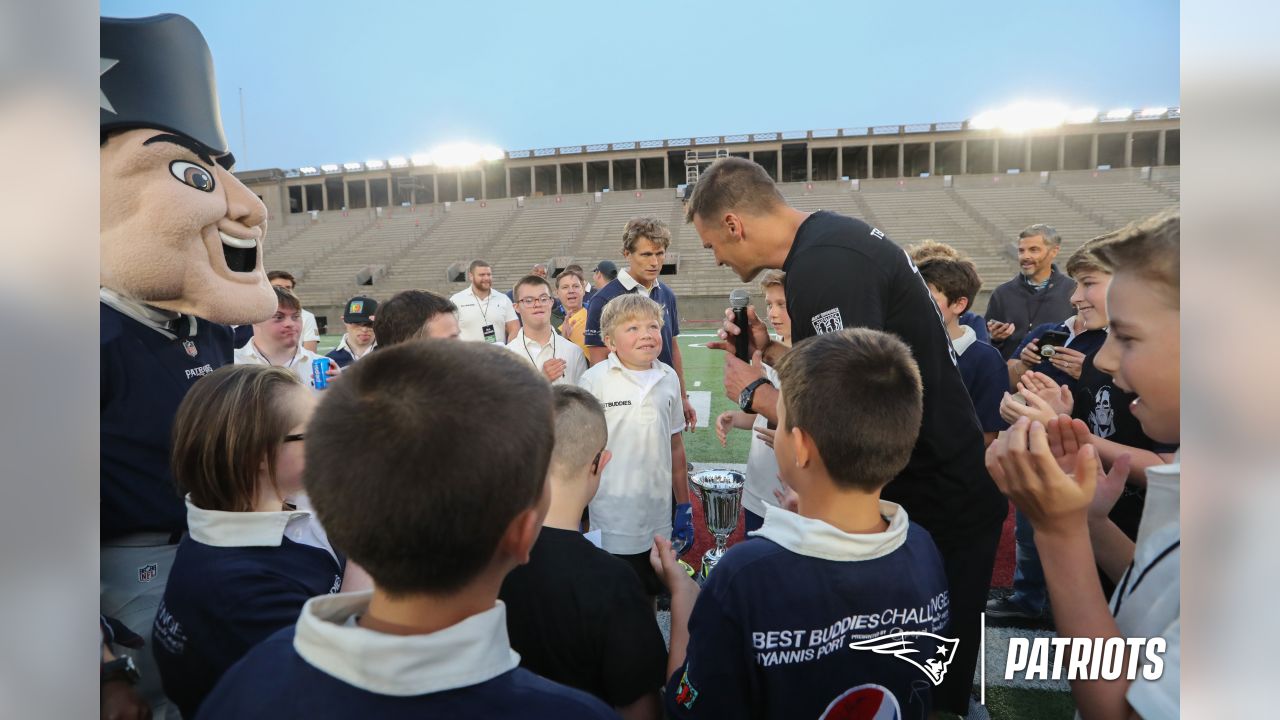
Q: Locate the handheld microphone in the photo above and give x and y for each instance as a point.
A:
(738, 300)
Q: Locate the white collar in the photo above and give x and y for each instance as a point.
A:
(525, 341)
(299, 353)
(629, 283)
(967, 338)
(616, 364)
(468, 653)
(1071, 327)
(219, 528)
(815, 538)
(344, 346)
(152, 317)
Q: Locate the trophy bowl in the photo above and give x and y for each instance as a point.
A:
(720, 492)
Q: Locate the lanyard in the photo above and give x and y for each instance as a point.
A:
(525, 340)
(267, 360)
(484, 311)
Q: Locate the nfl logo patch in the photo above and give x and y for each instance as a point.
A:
(190, 347)
(148, 573)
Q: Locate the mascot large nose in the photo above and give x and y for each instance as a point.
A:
(243, 206)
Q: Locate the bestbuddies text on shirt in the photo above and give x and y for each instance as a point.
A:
(1060, 658)
(778, 647)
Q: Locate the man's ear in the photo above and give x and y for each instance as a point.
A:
(959, 306)
(733, 223)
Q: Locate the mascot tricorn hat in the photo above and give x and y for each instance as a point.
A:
(157, 72)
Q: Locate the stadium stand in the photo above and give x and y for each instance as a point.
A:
(415, 248)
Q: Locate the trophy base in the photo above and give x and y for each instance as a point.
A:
(709, 560)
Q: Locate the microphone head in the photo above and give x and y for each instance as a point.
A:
(739, 299)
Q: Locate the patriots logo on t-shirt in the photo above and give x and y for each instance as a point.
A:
(931, 653)
(828, 321)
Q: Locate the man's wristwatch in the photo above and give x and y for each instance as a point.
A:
(748, 394)
(122, 668)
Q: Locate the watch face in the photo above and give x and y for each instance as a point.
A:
(744, 397)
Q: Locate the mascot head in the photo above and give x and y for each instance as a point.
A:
(178, 230)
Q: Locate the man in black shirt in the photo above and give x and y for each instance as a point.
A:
(843, 273)
(575, 613)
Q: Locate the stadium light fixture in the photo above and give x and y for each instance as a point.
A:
(374, 164)
(421, 160)
(329, 167)
(352, 166)
(1082, 116)
(398, 162)
(308, 170)
(1153, 112)
(1021, 117)
(1119, 114)
(463, 154)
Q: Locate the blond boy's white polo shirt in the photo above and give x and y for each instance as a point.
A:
(299, 365)
(474, 314)
(634, 500)
(558, 347)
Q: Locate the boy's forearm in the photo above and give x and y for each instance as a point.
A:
(679, 470)
(1139, 460)
(1112, 549)
(773, 353)
(682, 599)
(1080, 610)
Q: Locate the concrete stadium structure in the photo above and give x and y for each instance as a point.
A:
(384, 226)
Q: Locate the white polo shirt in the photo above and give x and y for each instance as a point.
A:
(558, 347)
(643, 410)
(299, 365)
(474, 314)
(762, 465)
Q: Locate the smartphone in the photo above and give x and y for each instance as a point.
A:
(1050, 342)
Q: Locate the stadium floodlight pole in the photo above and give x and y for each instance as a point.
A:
(244, 139)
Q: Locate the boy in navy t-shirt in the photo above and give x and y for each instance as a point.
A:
(403, 472)
(844, 603)
(953, 284)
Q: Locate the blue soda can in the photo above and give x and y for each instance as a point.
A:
(320, 373)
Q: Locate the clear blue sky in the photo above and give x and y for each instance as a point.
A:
(329, 81)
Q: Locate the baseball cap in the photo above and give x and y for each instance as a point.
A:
(360, 309)
(607, 269)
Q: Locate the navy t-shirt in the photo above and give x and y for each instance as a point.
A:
(842, 273)
(341, 356)
(144, 377)
(660, 294)
(273, 682)
(241, 334)
(221, 601)
(978, 324)
(987, 377)
(770, 632)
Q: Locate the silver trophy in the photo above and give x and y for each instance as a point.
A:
(721, 494)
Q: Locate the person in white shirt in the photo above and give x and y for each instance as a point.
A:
(275, 342)
(558, 359)
(1053, 474)
(484, 315)
(762, 489)
(310, 337)
(645, 412)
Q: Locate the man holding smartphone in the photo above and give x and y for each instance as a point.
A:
(1038, 295)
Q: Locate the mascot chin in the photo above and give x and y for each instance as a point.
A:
(181, 253)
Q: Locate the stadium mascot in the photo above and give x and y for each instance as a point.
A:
(181, 256)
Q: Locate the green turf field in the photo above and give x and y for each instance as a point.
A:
(703, 370)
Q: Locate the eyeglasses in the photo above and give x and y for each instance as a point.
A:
(296, 437)
(540, 300)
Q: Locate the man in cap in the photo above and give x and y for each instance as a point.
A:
(359, 339)
(606, 271)
(181, 257)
